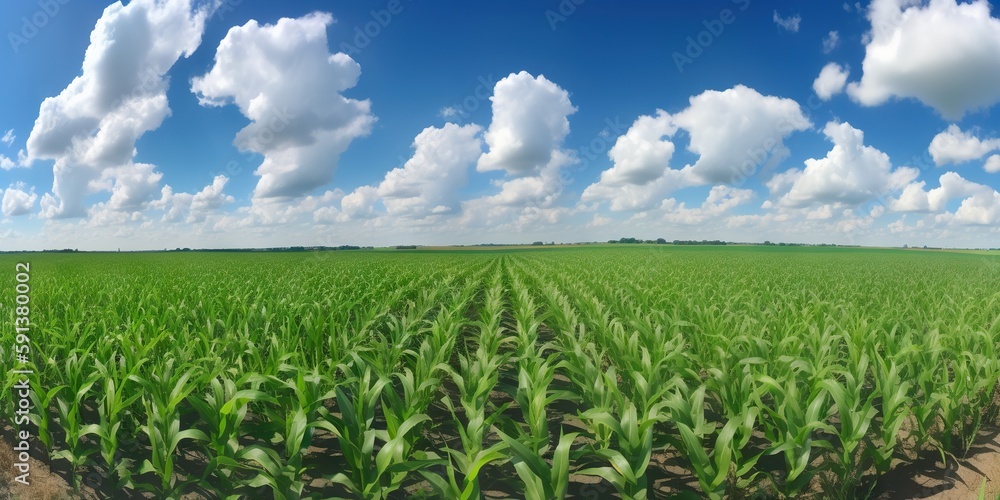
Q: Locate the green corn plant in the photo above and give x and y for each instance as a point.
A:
(856, 413)
(79, 381)
(166, 389)
(77, 452)
(894, 394)
(164, 438)
(533, 396)
(541, 480)
(223, 410)
(791, 421)
(930, 367)
(41, 417)
(728, 465)
(110, 410)
(371, 475)
(462, 469)
(281, 472)
(293, 411)
(418, 384)
(634, 435)
(475, 378)
(597, 386)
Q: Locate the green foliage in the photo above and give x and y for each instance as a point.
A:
(440, 371)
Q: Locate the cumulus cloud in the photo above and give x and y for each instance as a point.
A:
(982, 208)
(720, 201)
(195, 207)
(525, 140)
(850, 174)
(359, 204)
(641, 173)
(992, 164)
(428, 183)
(284, 79)
(790, 23)
(132, 186)
(831, 81)
(915, 199)
(8, 137)
(530, 121)
(722, 198)
(642, 154)
(831, 41)
(92, 126)
(942, 53)
(6, 163)
(735, 130)
(980, 203)
(17, 201)
(955, 146)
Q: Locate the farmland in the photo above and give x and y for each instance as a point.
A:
(584, 372)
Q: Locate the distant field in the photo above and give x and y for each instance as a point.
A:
(580, 371)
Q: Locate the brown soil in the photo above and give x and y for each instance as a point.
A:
(960, 480)
(42, 483)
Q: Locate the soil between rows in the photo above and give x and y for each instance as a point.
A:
(922, 476)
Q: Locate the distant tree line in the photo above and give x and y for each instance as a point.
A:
(662, 241)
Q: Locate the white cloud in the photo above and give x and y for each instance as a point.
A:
(525, 139)
(193, 207)
(719, 202)
(980, 203)
(851, 172)
(642, 154)
(831, 41)
(284, 79)
(831, 81)
(992, 164)
(734, 131)
(982, 208)
(952, 186)
(6, 163)
(944, 54)
(132, 186)
(93, 124)
(266, 214)
(428, 183)
(723, 198)
(790, 23)
(530, 121)
(8, 137)
(955, 146)
(641, 173)
(359, 204)
(17, 201)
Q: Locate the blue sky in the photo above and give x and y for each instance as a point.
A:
(159, 124)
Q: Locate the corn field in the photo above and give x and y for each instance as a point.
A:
(589, 372)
